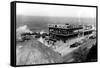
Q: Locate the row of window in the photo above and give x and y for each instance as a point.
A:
(65, 26)
(61, 31)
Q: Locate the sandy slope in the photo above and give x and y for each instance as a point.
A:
(34, 52)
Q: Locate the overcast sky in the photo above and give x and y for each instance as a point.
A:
(54, 10)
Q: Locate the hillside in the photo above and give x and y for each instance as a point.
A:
(34, 52)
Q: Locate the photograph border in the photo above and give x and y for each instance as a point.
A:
(13, 30)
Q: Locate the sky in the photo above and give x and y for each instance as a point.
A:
(54, 10)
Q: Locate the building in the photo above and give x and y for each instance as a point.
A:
(67, 31)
